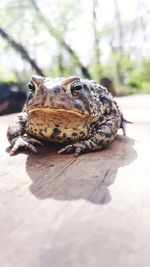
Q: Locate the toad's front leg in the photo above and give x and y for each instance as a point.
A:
(17, 136)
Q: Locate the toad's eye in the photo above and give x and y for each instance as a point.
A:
(31, 87)
(75, 88)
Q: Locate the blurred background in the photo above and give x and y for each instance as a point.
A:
(108, 41)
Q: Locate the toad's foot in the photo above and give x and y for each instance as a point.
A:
(25, 142)
(77, 148)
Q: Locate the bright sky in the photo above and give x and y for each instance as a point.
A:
(129, 10)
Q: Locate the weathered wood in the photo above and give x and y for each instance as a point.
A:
(94, 210)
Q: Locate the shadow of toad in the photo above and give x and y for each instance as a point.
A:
(64, 177)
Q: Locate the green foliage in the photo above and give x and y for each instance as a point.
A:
(139, 79)
(145, 70)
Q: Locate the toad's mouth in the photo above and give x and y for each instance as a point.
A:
(58, 112)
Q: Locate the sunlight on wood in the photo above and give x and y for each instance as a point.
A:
(62, 211)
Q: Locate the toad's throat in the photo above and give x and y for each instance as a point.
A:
(57, 124)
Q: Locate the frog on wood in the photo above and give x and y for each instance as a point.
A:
(78, 112)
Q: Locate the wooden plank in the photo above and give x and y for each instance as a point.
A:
(62, 211)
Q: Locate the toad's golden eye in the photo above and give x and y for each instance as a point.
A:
(31, 87)
(75, 88)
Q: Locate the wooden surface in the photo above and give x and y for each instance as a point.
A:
(94, 210)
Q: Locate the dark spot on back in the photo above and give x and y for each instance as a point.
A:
(85, 87)
(104, 99)
(108, 135)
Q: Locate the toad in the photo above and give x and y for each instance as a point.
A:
(77, 112)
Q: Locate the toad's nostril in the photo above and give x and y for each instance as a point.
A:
(56, 90)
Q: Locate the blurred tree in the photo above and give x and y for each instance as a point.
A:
(64, 37)
(96, 65)
(38, 22)
(57, 35)
(20, 49)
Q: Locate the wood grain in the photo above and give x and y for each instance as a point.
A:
(94, 210)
